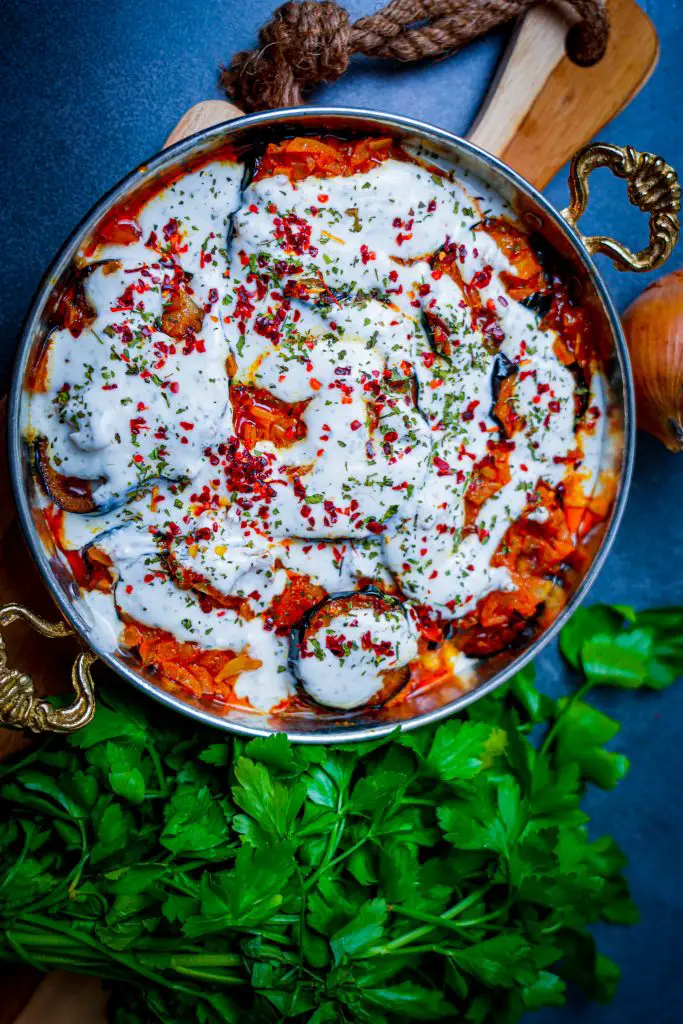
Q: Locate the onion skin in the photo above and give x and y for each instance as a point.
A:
(653, 325)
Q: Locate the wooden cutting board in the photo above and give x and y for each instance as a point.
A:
(539, 110)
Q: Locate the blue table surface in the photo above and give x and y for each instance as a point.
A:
(91, 89)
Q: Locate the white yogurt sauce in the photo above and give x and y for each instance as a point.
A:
(319, 298)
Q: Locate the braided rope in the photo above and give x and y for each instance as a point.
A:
(309, 42)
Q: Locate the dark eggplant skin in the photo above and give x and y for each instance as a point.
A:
(539, 303)
(503, 368)
(581, 392)
(74, 494)
(68, 493)
(298, 632)
(429, 332)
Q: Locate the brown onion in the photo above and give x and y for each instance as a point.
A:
(654, 332)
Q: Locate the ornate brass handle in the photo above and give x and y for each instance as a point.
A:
(20, 706)
(653, 187)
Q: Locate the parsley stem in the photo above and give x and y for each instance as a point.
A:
(433, 919)
(337, 860)
(156, 761)
(20, 859)
(18, 766)
(552, 732)
(333, 843)
(131, 962)
(221, 979)
(444, 920)
(188, 960)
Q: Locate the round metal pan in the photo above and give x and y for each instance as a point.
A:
(652, 186)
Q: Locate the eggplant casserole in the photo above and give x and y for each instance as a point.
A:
(317, 426)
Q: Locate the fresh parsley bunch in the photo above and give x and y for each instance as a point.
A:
(443, 873)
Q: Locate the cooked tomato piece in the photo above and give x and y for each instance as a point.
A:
(536, 546)
(489, 476)
(201, 673)
(181, 313)
(119, 229)
(528, 277)
(325, 157)
(259, 415)
(289, 607)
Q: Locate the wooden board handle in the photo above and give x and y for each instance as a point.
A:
(201, 116)
(541, 108)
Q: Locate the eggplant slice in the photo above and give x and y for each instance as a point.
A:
(503, 369)
(70, 493)
(437, 335)
(388, 682)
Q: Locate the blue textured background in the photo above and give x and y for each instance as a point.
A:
(90, 89)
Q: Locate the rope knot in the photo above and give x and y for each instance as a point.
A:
(308, 42)
(301, 47)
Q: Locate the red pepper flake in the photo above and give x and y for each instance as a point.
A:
(315, 384)
(442, 466)
(469, 412)
(138, 424)
(138, 459)
(335, 644)
(186, 426)
(366, 254)
(323, 197)
(483, 277)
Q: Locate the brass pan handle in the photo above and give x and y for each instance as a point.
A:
(20, 706)
(653, 187)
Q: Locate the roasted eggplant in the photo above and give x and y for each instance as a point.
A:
(352, 676)
(68, 492)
